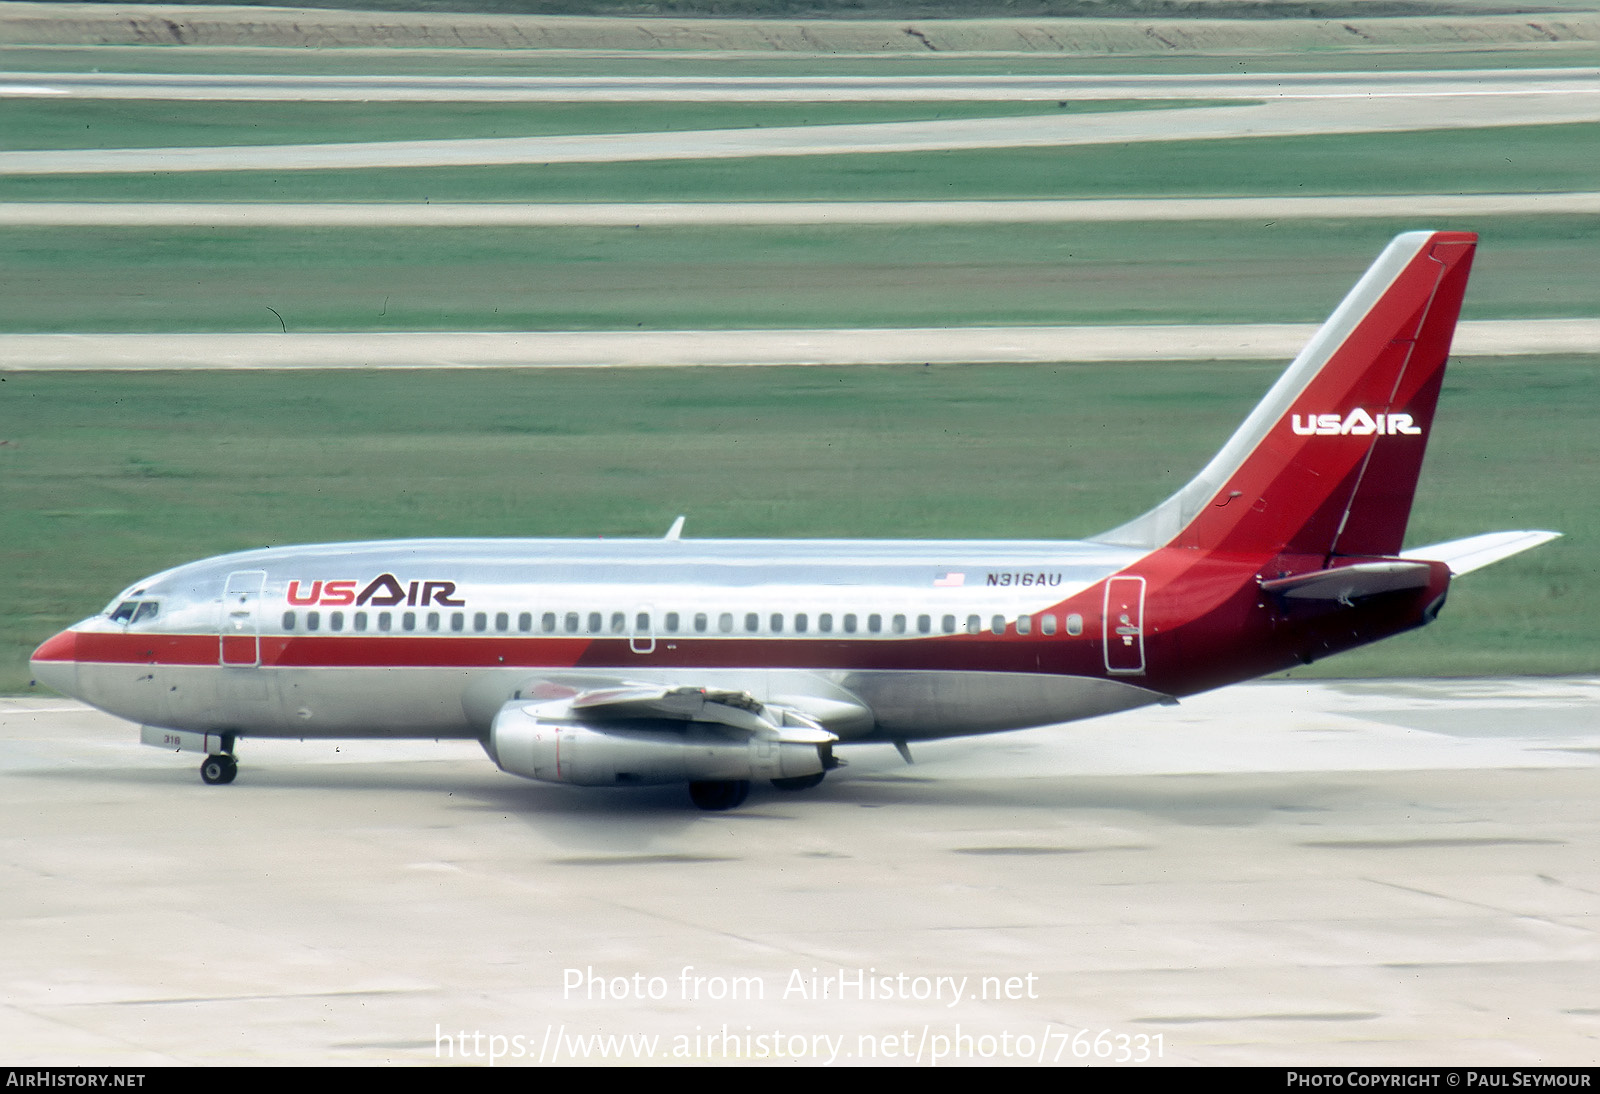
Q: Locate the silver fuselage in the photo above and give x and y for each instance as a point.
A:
(429, 638)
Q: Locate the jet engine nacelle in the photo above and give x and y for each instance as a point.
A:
(525, 741)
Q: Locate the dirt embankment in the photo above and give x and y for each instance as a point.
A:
(154, 24)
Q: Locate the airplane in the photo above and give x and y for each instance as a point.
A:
(716, 663)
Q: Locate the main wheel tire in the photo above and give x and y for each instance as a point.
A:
(218, 770)
(800, 782)
(719, 795)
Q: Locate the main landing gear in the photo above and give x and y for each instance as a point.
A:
(219, 769)
(719, 795)
(716, 796)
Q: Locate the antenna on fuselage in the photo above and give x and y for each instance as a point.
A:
(674, 533)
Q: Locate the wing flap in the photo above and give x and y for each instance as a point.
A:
(737, 710)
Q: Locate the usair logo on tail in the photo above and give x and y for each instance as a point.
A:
(1358, 423)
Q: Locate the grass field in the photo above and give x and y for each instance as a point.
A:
(504, 62)
(107, 477)
(161, 279)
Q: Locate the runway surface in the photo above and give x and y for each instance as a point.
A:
(1346, 104)
(693, 214)
(1285, 873)
(622, 349)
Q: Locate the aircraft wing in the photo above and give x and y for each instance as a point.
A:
(736, 709)
(617, 703)
(620, 733)
(1475, 552)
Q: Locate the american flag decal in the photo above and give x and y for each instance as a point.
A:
(950, 581)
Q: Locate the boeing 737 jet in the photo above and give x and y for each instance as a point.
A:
(717, 662)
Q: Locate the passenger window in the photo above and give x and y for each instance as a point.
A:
(408, 621)
(458, 621)
(1047, 623)
(383, 621)
(502, 622)
(997, 625)
(825, 623)
(1074, 624)
(641, 623)
(875, 624)
(752, 622)
(899, 624)
(336, 621)
(480, 621)
(594, 622)
(948, 624)
(572, 622)
(360, 621)
(288, 621)
(974, 625)
(725, 622)
(619, 623)
(547, 622)
(525, 622)
(800, 622)
(850, 623)
(700, 622)
(313, 619)
(433, 621)
(672, 622)
(924, 624)
(1024, 624)
(777, 622)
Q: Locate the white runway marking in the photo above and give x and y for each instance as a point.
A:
(598, 349)
(689, 214)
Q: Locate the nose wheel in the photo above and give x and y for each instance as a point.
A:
(218, 770)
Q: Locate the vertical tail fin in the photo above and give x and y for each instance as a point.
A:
(1327, 463)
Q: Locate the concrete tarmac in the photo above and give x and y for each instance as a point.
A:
(1282, 873)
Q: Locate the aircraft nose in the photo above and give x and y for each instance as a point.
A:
(55, 664)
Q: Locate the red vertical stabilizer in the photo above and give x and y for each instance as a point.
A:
(1327, 464)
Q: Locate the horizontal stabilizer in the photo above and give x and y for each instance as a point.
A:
(1347, 583)
(1475, 552)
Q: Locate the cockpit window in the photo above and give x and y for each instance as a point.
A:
(135, 611)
